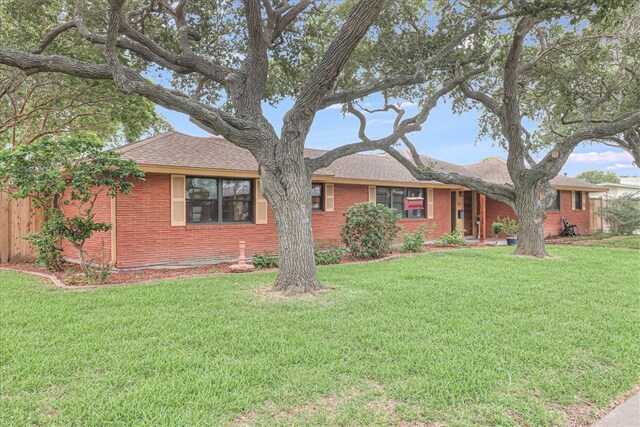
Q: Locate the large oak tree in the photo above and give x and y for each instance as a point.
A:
(557, 77)
(228, 58)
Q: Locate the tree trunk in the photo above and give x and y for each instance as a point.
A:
(289, 193)
(529, 208)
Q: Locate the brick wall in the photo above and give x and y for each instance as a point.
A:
(553, 224)
(145, 235)
(99, 245)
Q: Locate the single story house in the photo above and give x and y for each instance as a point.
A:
(201, 197)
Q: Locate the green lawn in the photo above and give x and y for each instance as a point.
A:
(468, 337)
(629, 242)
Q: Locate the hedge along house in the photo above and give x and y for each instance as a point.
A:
(201, 197)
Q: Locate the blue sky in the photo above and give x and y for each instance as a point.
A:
(445, 136)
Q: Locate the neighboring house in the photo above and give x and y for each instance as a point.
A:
(611, 190)
(201, 196)
(629, 184)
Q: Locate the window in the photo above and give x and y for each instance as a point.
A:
(395, 198)
(317, 197)
(417, 193)
(577, 200)
(555, 205)
(215, 200)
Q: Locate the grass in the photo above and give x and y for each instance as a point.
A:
(628, 242)
(468, 337)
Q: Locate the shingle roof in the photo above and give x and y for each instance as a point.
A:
(179, 150)
(494, 170)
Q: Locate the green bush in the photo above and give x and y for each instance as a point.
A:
(330, 255)
(497, 228)
(506, 225)
(413, 242)
(456, 238)
(47, 244)
(623, 214)
(369, 230)
(266, 260)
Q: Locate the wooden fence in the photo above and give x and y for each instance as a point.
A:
(596, 223)
(17, 218)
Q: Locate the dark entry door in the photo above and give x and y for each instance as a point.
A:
(454, 202)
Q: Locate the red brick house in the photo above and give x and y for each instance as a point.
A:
(201, 196)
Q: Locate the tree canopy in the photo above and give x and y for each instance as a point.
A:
(36, 105)
(598, 177)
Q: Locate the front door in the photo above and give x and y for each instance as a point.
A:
(454, 213)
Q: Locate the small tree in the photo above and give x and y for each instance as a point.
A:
(623, 213)
(369, 230)
(66, 172)
(598, 177)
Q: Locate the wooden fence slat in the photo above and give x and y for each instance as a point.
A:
(17, 218)
(5, 242)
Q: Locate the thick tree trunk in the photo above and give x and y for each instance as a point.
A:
(531, 215)
(289, 193)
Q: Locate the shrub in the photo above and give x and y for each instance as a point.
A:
(330, 255)
(413, 242)
(497, 228)
(623, 213)
(369, 230)
(49, 169)
(455, 238)
(47, 244)
(506, 225)
(266, 260)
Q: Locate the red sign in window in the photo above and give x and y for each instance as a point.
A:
(411, 203)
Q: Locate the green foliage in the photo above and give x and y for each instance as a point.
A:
(414, 242)
(598, 177)
(623, 214)
(506, 225)
(497, 228)
(66, 172)
(55, 104)
(265, 260)
(369, 230)
(329, 255)
(455, 238)
(46, 242)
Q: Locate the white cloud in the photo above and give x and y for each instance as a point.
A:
(616, 157)
(620, 166)
(407, 104)
(335, 107)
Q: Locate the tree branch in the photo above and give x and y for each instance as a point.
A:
(361, 16)
(501, 192)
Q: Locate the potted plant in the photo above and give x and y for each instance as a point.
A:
(508, 226)
(497, 228)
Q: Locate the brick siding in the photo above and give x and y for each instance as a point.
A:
(97, 246)
(553, 223)
(145, 235)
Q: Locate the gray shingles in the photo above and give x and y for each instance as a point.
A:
(180, 150)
